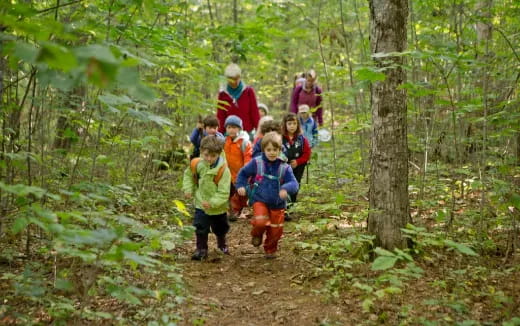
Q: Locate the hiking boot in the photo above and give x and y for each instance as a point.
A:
(256, 241)
(224, 250)
(270, 256)
(200, 254)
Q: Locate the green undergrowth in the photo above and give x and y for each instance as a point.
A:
(459, 269)
(95, 253)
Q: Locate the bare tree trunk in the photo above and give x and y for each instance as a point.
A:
(389, 206)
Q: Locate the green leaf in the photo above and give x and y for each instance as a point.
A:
(383, 263)
(25, 51)
(111, 99)
(99, 52)
(460, 247)
(139, 259)
(515, 200)
(364, 287)
(369, 74)
(64, 285)
(384, 252)
(19, 224)
(367, 304)
(57, 56)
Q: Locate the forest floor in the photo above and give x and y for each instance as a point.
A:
(299, 286)
(245, 288)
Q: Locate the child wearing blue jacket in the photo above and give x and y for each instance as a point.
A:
(309, 126)
(207, 127)
(273, 182)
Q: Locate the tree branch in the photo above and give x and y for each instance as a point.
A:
(58, 6)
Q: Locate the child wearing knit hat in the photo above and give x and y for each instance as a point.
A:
(238, 150)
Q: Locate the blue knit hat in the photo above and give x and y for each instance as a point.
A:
(234, 121)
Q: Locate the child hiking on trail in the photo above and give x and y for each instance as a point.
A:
(273, 182)
(208, 179)
(238, 153)
(263, 110)
(207, 127)
(265, 127)
(258, 133)
(296, 148)
(309, 126)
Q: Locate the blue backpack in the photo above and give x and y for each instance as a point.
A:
(260, 175)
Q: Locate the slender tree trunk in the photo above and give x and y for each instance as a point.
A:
(389, 206)
(357, 108)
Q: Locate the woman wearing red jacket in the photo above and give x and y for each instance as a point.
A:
(236, 98)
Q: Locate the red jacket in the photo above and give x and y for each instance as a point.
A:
(245, 108)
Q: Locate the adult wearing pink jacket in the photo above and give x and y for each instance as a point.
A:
(236, 98)
(308, 93)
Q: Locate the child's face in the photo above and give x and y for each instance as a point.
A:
(211, 131)
(211, 158)
(304, 115)
(232, 131)
(292, 126)
(262, 113)
(271, 152)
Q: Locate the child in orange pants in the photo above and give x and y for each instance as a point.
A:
(273, 182)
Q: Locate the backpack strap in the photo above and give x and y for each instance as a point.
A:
(260, 168)
(220, 172)
(281, 172)
(193, 166)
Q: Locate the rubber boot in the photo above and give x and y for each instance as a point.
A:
(221, 243)
(202, 247)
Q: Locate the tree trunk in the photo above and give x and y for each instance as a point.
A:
(389, 206)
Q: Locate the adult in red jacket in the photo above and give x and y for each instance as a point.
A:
(236, 98)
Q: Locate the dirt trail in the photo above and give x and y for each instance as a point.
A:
(247, 289)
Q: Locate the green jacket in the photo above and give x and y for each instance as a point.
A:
(207, 190)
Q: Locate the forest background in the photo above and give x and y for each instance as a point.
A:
(97, 99)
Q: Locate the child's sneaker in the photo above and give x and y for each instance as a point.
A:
(256, 241)
(270, 256)
(224, 250)
(199, 254)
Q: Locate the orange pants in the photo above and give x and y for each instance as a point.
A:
(269, 221)
(236, 201)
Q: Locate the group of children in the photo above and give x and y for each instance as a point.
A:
(234, 172)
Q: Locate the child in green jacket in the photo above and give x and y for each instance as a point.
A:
(208, 180)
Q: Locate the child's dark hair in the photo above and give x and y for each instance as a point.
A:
(291, 117)
(210, 121)
(270, 125)
(273, 138)
(212, 144)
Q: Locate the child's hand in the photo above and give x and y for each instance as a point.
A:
(283, 194)
(188, 195)
(294, 164)
(205, 205)
(241, 191)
